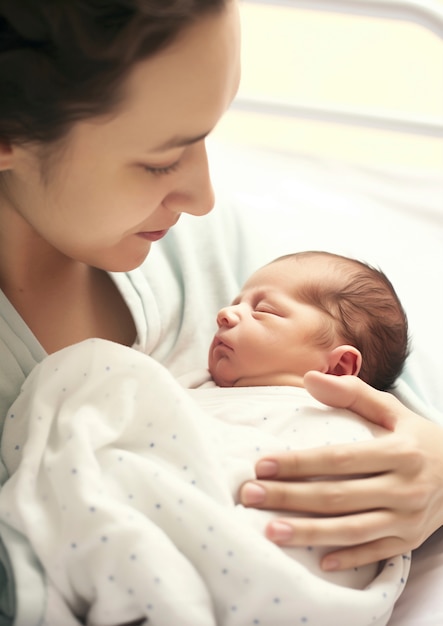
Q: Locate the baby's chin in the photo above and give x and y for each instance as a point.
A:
(221, 372)
(223, 378)
(220, 380)
(273, 380)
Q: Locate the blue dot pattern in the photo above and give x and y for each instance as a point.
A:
(125, 484)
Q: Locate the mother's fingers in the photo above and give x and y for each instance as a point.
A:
(363, 554)
(327, 497)
(384, 454)
(352, 393)
(350, 530)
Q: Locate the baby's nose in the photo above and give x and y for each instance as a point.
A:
(227, 316)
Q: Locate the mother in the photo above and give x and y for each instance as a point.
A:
(104, 110)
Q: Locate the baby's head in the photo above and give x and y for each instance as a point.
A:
(311, 311)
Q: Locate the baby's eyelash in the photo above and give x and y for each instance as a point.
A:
(159, 171)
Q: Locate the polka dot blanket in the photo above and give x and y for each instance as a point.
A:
(125, 484)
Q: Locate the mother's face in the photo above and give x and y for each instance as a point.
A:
(121, 181)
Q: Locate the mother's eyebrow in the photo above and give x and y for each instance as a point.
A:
(179, 141)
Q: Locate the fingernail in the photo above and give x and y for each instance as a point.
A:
(329, 565)
(252, 493)
(279, 531)
(266, 469)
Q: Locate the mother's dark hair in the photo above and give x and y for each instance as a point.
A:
(65, 60)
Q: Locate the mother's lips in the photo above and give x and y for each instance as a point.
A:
(154, 235)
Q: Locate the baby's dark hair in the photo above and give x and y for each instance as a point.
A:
(62, 61)
(365, 311)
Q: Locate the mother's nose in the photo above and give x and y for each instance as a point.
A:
(194, 193)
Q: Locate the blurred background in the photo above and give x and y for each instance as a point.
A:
(345, 62)
(359, 170)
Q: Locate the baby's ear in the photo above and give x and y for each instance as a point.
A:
(344, 361)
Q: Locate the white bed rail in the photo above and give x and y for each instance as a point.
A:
(425, 13)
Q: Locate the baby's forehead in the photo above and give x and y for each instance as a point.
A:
(292, 270)
(296, 276)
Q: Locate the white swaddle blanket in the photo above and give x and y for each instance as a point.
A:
(126, 489)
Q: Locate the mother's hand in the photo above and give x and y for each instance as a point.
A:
(394, 504)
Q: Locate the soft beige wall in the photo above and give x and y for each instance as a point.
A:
(351, 61)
